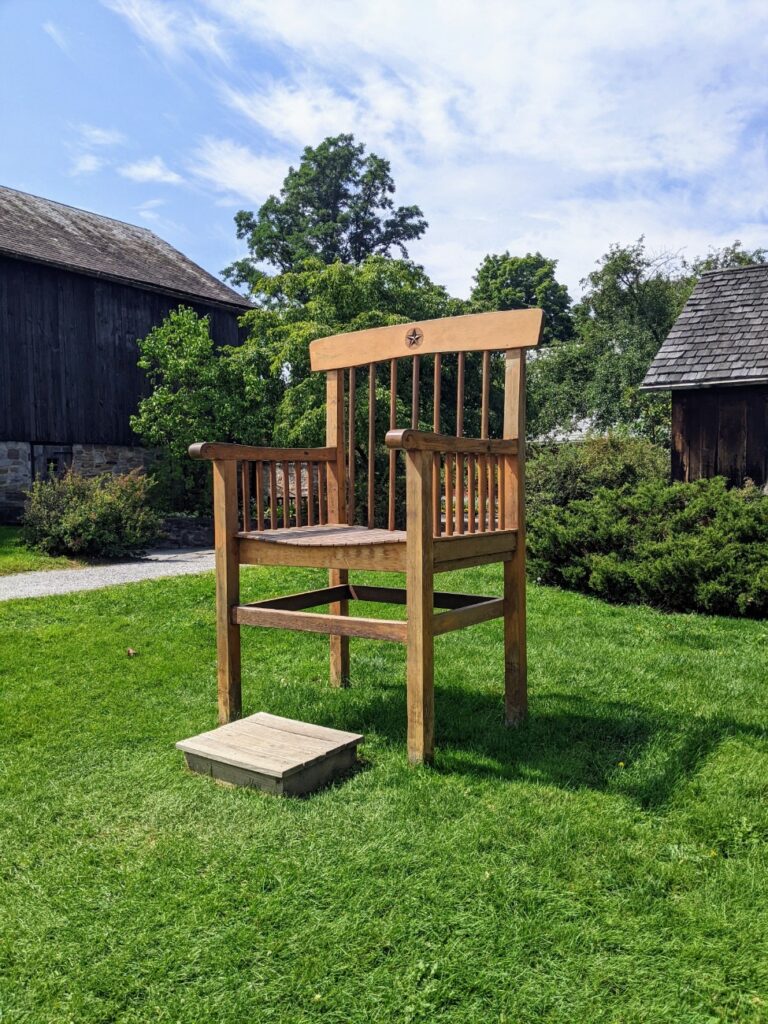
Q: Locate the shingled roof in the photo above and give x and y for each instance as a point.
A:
(47, 232)
(721, 337)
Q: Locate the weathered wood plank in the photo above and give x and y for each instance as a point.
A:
(227, 589)
(310, 622)
(510, 329)
(420, 653)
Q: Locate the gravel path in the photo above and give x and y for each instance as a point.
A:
(64, 581)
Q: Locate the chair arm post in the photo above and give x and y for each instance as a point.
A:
(420, 587)
(225, 527)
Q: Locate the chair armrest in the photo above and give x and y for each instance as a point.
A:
(249, 453)
(422, 440)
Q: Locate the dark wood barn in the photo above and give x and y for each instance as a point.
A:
(76, 291)
(715, 362)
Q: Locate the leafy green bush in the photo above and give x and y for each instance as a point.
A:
(562, 473)
(105, 516)
(683, 547)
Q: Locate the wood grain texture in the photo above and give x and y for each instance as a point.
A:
(415, 394)
(469, 615)
(515, 648)
(334, 432)
(371, 480)
(339, 643)
(69, 353)
(227, 589)
(419, 584)
(392, 461)
(410, 439)
(338, 626)
(351, 449)
(275, 754)
(250, 453)
(259, 474)
(511, 329)
(385, 557)
(436, 390)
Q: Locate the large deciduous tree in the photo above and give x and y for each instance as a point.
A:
(335, 206)
(516, 282)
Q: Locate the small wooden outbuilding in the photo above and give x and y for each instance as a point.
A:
(715, 362)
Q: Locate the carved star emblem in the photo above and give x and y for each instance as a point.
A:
(414, 338)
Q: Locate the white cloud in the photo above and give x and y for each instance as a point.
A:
(152, 169)
(551, 126)
(236, 171)
(560, 127)
(86, 163)
(149, 209)
(52, 29)
(91, 135)
(171, 29)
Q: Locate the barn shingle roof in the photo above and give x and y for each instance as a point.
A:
(48, 232)
(721, 336)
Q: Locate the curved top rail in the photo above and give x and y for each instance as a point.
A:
(475, 332)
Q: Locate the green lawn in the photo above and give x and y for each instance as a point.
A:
(605, 862)
(14, 557)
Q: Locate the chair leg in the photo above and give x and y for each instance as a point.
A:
(515, 659)
(420, 608)
(339, 644)
(420, 667)
(227, 590)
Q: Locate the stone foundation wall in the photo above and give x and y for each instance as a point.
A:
(93, 459)
(15, 477)
(21, 462)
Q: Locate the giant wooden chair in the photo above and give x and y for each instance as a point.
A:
(465, 506)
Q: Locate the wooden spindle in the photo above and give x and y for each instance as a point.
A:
(436, 517)
(322, 507)
(297, 491)
(471, 484)
(286, 495)
(371, 445)
(260, 495)
(502, 495)
(482, 493)
(460, 394)
(351, 446)
(273, 495)
(492, 492)
(486, 394)
(460, 374)
(449, 495)
(392, 452)
(415, 393)
(311, 493)
(459, 494)
(245, 483)
(483, 517)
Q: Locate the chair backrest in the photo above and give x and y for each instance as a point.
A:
(460, 350)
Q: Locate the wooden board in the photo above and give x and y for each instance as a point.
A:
(514, 328)
(279, 755)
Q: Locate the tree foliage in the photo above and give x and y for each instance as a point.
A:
(336, 206)
(199, 392)
(316, 300)
(518, 282)
(631, 300)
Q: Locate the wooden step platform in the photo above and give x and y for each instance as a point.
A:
(278, 755)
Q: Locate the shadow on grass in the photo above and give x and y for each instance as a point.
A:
(566, 741)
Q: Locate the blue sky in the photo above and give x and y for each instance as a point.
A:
(554, 126)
